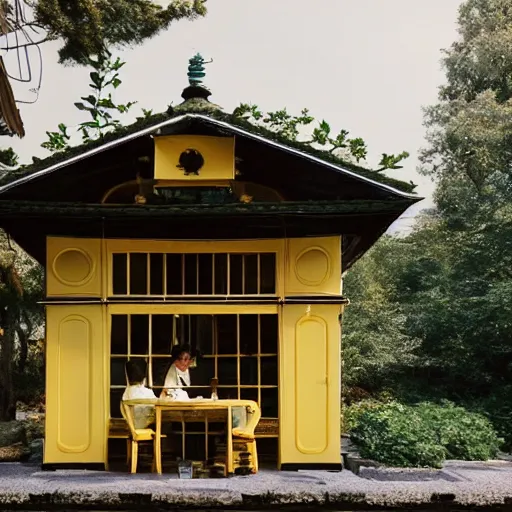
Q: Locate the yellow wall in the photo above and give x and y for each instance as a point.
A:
(76, 387)
(78, 347)
(309, 392)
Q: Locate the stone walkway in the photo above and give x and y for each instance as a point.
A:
(460, 484)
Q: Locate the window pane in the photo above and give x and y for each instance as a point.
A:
(227, 334)
(139, 334)
(138, 273)
(251, 274)
(248, 334)
(117, 375)
(161, 333)
(174, 274)
(115, 403)
(267, 273)
(249, 394)
(190, 274)
(221, 274)
(205, 274)
(156, 274)
(160, 366)
(119, 268)
(269, 402)
(227, 370)
(269, 333)
(228, 393)
(269, 371)
(203, 340)
(235, 274)
(249, 370)
(203, 373)
(119, 334)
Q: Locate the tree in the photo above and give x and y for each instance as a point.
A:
(87, 27)
(21, 288)
(454, 283)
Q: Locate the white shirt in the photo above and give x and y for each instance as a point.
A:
(143, 415)
(175, 378)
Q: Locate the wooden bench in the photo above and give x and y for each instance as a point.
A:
(267, 427)
(118, 429)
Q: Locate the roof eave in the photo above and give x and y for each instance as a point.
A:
(234, 129)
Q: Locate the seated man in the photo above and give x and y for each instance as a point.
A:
(143, 415)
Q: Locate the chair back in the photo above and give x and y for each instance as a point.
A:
(254, 416)
(127, 413)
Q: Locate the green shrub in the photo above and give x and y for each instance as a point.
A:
(422, 435)
(464, 435)
(396, 435)
(352, 413)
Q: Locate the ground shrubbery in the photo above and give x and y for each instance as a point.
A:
(422, 435)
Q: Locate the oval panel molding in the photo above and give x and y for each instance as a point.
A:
(313, 266)
(311, 385)
(73, 267)
(74, 403)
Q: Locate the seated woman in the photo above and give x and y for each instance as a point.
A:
(143, 415)
(178, 375)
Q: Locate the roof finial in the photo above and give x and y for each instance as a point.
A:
(196, 94)
(196, 69)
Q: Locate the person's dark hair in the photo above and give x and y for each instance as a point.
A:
(177, 350)
(135, 371)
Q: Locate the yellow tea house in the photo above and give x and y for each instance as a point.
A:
(197, 227)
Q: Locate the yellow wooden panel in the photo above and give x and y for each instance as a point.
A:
(192, 309)
(74, 380)
(311, 432)
(73, 267)
(194, 158)
(309, 385)
(76, 385)
(314, 266)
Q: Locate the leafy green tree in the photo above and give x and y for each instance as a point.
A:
(88, 27)
(452, 278)
(21, 317)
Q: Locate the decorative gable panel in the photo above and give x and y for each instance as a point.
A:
(194, 158)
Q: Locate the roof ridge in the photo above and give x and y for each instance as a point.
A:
(147, 125)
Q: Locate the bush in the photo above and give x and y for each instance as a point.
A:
(352, 413)
(423, 435)
(464, 435)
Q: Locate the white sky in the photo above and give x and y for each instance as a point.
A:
(367, 66)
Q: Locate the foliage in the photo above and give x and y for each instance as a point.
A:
(8, 157)
(464, 435)
(21, 318)
(376, 345)
(289, 127)
(423, 435)
(99, 105)
(88, 27)
(353, 412)
(450, 281)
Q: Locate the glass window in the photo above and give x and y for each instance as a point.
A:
(239, 350)
(193, 274)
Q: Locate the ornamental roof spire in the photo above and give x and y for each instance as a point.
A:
(196, 94)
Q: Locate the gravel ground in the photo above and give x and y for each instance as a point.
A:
(486, 485)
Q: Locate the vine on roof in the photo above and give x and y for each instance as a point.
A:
(99, 105)
(340, 145)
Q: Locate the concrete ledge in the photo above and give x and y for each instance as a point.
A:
(473, 486)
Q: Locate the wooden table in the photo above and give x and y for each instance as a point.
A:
(195, 405)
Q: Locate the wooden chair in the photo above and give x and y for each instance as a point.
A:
(244, 442)
(137, 435)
